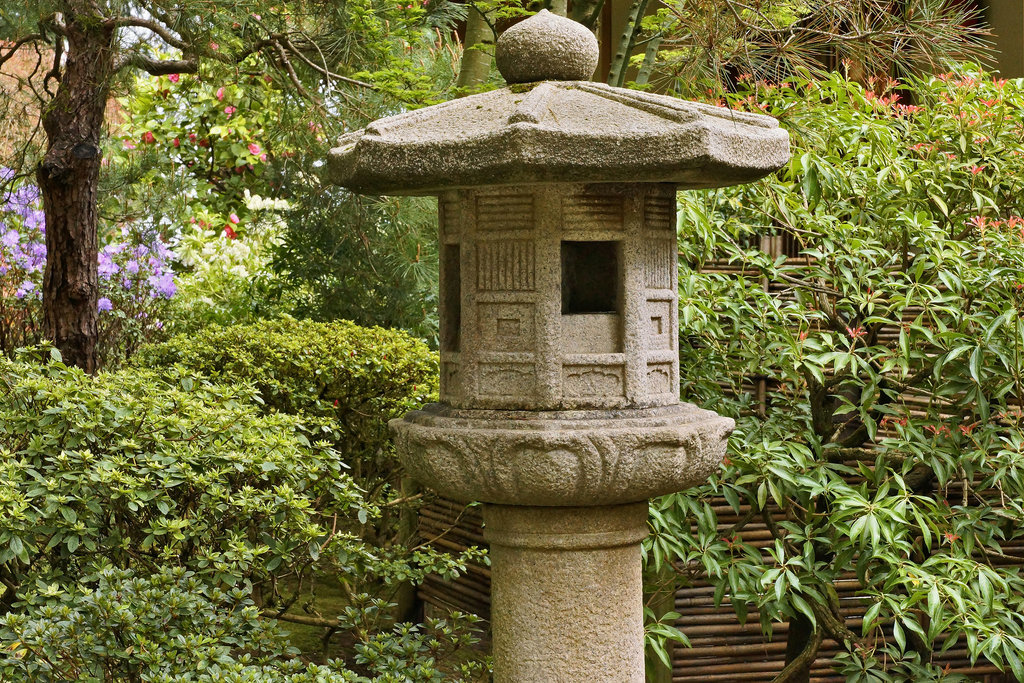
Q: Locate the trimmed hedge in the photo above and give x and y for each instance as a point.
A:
(359, 376)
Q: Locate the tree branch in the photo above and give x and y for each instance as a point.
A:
(157, 67)
(322, 69)
(803, 660)
(165, 34)
(309, 621)
(18, 44)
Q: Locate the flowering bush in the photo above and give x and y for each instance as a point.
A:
(22, 259)
(208, 139)
(135, 276)
(890, 442)
(226, 279)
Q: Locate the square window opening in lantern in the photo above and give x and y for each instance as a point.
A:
(591, 277)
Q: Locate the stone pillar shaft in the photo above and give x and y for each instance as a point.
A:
(567, 594)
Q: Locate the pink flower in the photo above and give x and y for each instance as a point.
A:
(233, 218)
(229, 110)
(214, 46)
(148, 138)
(192, 137)
(176, 142)
(220, 93)
(254, 149)
(263, 157)
(229, 231)
(174, 78)
(856, 332)
(128, 144)
(975, 170)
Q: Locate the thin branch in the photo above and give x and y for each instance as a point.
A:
(322, 69)
(54, 72)
(18, 44)
(309, 621)
(166, 35)
(294, 77)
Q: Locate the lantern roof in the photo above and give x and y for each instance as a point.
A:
(550, 125)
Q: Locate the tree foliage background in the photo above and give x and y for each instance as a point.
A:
(901, 204)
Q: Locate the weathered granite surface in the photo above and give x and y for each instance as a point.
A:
(548, 47)
(559, 131)
(552, 125)
(515, 335)
(561, 458)
(567, 585)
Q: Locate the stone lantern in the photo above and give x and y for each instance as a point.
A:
(558, 306)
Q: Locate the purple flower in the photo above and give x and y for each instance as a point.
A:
(11, 238)
(132, 267)
(25, 289)
(162, 285)
(104, 304)
(107, 268)
(35, 219)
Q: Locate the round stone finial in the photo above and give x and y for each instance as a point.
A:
(546, 47)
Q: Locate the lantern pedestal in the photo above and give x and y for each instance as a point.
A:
(567, 585)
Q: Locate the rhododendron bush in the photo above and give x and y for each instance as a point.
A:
(135, 269)
(887, 325)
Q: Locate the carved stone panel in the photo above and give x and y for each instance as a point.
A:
(451, 379)
(505, 265)
(659, 378)
(448, 215)
(660, 212)
(592, 333)
(587, 381)
(659, 264)
(504, 212)
(507, 380)
(506, 327)
(593, 212)
(659, 325)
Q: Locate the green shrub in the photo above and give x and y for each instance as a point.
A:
(130, 469)
(891, 443)
(172, 627)
(359, 377)
(151, 474)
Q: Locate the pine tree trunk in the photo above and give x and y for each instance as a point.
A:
(68, 181)
(586, 12)
(478, 51)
